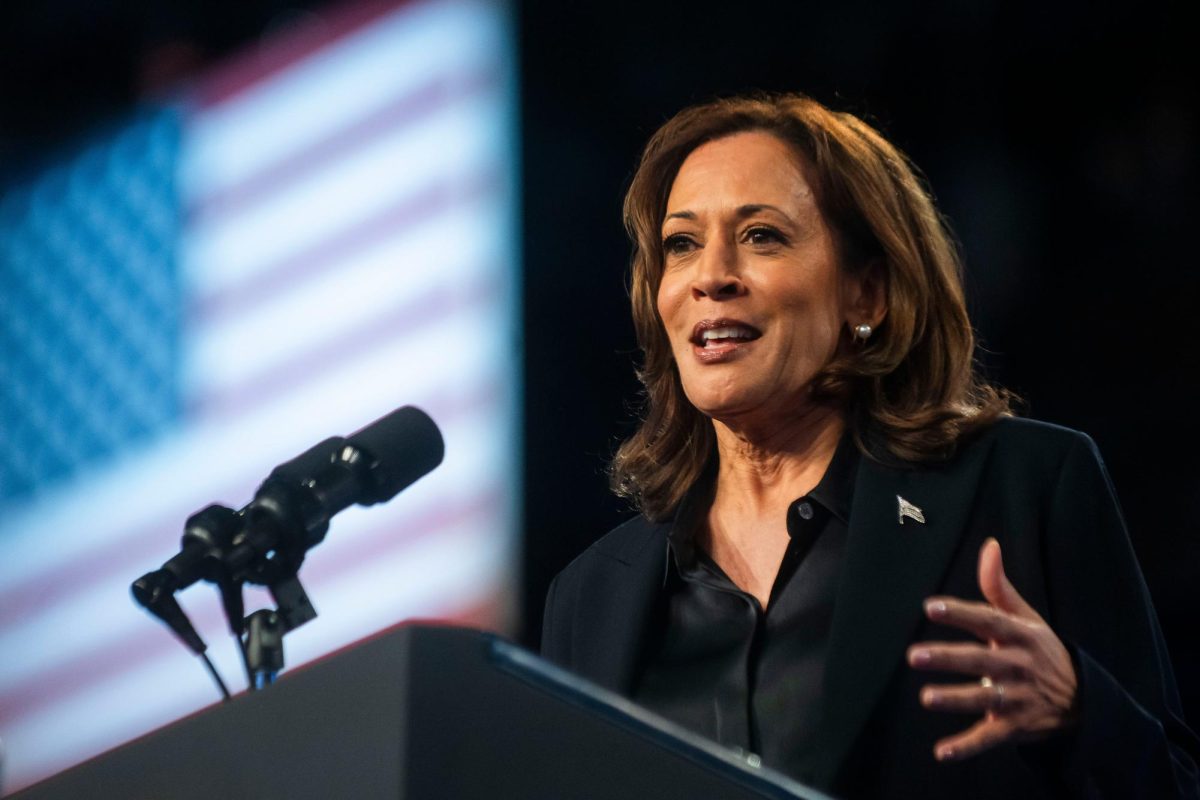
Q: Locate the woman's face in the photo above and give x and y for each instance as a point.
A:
(752, 297)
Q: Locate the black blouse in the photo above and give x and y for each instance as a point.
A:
(718, 663)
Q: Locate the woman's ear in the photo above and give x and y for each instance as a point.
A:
(866, 299)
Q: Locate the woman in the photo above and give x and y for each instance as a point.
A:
(851, 561)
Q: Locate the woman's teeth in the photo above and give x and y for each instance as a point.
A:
(725, 333)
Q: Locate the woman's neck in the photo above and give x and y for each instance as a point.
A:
(763, 470)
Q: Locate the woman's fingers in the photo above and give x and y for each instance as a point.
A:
(983, 735)
(971, 658)
(1027, 683)
(984, 621)
(994, 583)
(973, 698)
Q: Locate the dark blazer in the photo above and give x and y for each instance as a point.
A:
(1043, 492)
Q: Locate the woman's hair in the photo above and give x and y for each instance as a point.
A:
(910, 393)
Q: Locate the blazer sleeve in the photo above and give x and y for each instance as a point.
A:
(1131, 740)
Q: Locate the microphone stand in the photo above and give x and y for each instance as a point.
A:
(230, 549)
(268, 549)
(260, 637)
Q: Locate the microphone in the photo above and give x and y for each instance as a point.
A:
(266, 541)
(291, 510)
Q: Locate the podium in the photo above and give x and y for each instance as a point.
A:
(423, 713)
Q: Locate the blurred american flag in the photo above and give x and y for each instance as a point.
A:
(304, 239)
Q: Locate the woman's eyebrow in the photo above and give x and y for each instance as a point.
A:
(748, 210)
(751, 209)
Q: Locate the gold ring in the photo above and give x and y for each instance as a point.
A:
(988, 683)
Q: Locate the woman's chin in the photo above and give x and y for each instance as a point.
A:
(748, 408)
(727, 407)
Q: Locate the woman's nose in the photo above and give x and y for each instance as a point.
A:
(717, 275)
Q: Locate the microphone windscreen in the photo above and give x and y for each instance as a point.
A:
(404, 445)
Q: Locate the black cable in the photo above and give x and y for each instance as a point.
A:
(216, 677)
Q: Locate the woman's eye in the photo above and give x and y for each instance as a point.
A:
(762, 235)
(677, 244)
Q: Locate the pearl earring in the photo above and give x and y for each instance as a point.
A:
(863, 332)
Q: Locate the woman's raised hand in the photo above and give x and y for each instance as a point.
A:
(1025, 685)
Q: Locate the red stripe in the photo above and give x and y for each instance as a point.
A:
(402, 111)
(236, 75)
(370, 548)
(331, 252)
(71, 676)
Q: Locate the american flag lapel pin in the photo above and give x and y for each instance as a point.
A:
(907, 509)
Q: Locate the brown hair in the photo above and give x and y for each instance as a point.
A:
(911, 393)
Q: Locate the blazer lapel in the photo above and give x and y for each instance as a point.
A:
(619, 617)
(889, 569)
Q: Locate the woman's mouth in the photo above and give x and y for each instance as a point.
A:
(719, 339)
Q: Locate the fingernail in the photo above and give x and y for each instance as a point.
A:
(945, 753)
(921, 657)
(928, 698)
(935, 608)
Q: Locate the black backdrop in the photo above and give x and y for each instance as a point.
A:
(1060, 139)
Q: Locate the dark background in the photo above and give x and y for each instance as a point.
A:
(1060, 139)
